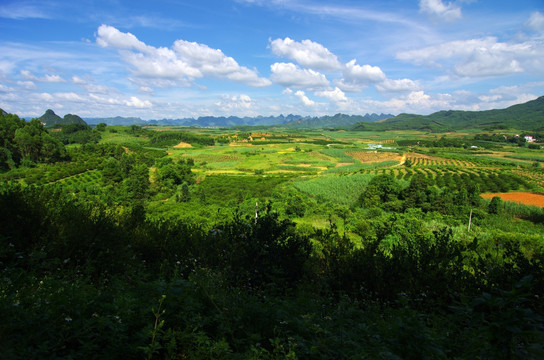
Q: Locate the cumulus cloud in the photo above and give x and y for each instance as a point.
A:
(185, 61)
(241, 102)
(110, 36)
(365, 73)
(304, 99)
(335, 95)
(448, 12)
(135, 102)
(357, 77)
(397, 85)
(480, 57)
(307, 53)
(290, 75)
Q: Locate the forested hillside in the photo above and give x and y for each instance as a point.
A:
(527, 116)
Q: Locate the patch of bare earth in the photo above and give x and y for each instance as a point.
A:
(373, 156)
(183, 145)
(526, 198)
(343, 164)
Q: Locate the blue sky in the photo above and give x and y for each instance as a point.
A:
(180, 58)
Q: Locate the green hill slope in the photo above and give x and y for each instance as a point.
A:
(51, 119)
(526, 116)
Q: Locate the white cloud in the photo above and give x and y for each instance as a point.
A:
(481, 57)
(146, 89)
(19, 11)
(335, 95)
(6, 66)
(6, 89)
(290, 75)
(486, 63)
(52, 79)
(70, 96)
(135, 102)
(357, 77)
(27, 75)
(350, 86)
(437, 8)
(536, 21)
(45, 97)
(110, 36)
(415, 102)
(235, 103)
(307, 53)
(78, 80)
(302, 97)
(488, 98)
(29, 85)
(397, 85)
(287, 91)
(363, 74)
(185, 61)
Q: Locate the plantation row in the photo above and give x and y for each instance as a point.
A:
(488, 180)
(419, 161)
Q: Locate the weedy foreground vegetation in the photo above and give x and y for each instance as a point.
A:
(173, 243)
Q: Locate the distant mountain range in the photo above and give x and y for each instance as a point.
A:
(526, 116)
(294, 121)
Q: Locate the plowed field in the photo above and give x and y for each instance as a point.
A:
(373, 156)
(519, 197)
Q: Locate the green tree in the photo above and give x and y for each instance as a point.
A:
(494, 205)
(380, 190)
(29, 141)
(182, 193)
(112, 172)
(9, 152)
(137, 182)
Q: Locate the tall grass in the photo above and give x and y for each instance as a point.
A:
(358, 167)
(340, 189)
(528, 212)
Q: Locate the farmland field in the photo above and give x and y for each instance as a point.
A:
(519, 197)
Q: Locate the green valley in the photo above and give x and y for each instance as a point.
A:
(274, 242)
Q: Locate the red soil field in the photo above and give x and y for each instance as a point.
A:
(519, 197)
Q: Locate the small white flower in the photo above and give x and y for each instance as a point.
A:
(67, 319)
